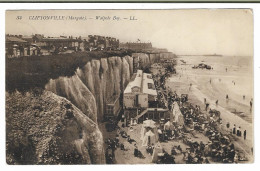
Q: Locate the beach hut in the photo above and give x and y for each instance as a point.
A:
(149, 138)
(157, 150)
(177, 116)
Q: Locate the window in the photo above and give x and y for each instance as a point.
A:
(110, 110)
(150, 86)
(149, 76)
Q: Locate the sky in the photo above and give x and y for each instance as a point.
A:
(183, 32)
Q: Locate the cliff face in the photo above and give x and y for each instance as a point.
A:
(99, 79)
(91, 87)
(48, 129)
(67, 127)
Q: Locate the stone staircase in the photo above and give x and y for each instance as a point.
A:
(141, 114)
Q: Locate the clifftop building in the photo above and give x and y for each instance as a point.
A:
(136, 46)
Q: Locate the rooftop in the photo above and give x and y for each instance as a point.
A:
(14, 40)
(134, 83)
(148, 85)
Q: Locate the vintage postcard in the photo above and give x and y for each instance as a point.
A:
(129, 86)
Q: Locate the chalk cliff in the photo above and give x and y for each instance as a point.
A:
(72, 106)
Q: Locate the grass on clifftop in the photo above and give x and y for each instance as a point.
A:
(29, 72)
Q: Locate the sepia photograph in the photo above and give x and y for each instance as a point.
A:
(169, 86)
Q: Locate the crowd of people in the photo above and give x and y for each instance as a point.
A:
(218, 148)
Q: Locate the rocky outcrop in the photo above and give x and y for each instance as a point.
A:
(48, 129)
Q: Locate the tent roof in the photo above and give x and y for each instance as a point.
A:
(149, 133)
(135, 83)
(149, 123)
(168, 123)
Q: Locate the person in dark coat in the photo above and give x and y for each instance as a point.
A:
(234, 129)
(228, 125)
(244, 134)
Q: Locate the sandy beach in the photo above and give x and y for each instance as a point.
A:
(236, 110)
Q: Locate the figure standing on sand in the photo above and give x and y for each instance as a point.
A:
(251, 104)
(227, 97)
(244, 97)
(205, 100)
(234, 129)
(226, 69)
(210, 81)
(238, 131)
(207, 105)
(244, 134)
(217, 103)
(228, 124)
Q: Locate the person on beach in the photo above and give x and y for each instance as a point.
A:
(251, 103)
(238, 131)
(210, 81)
(228, 124)
(244, 97)
(205, 100)
(226, 69)
(234, 129)
(244, 134)
(227, 97)
(207, 105)
(217, 103)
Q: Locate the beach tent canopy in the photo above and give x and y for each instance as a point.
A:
(177, 116)
(149, 123)
(168, 126)
(157, 149)
(149, 138)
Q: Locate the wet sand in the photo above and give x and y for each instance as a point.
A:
(202, 88)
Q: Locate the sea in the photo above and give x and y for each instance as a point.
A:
(230, 75)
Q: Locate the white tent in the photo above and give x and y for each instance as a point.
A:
(149, 138)
(149, 123)
(168, 126)
(157, 149)
(147, 126)
(177, 116)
